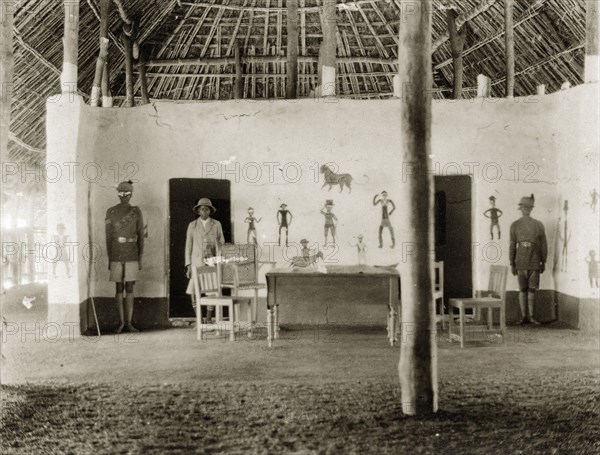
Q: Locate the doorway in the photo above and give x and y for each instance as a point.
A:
(453, 226)
(183, 195)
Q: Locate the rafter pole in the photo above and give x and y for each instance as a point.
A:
(68, 77)
(509, 46)
(592, 48)
(418, 355)
(238, 87)
(292, 49)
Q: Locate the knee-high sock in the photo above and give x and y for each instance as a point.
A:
(129, 306)
(119, 300)
(523, 304)
(531, 303)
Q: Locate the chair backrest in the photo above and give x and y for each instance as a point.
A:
(206, 280)
(247, 270)
(438, 277)
(497, 284)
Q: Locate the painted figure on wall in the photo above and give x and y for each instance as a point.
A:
(592, 269)
(593, 200)
(565, 237)
(306, 258)
(284, 219)
(331, 178)
(493, 214)
(124, 227)
(528, 252)
(330, 220)
(203, 240)
(251, 235)
(62, 255)
(361, 249)
(386, 212)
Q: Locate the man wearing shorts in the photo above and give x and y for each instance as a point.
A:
(125, 245)
(528, 253)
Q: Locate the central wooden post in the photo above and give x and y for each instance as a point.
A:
(592, 48)
(418, 351)
(327, 51)
(509, 44)
(68, 77)
(292, 49)
(457, 43)
(6, 89)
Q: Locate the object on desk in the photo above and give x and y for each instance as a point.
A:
(306, 261)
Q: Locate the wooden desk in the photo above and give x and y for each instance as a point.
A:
(366, 285)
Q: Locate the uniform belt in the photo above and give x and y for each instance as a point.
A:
(526, 244)
(126, 240)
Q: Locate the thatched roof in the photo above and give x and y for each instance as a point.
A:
(549, 50)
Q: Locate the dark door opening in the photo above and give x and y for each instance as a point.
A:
(183, 195)
(452, 209)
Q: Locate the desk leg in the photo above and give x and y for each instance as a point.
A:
(270, 327)
(391, 325)
(276, 321)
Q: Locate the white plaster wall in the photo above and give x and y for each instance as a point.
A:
(501, 142)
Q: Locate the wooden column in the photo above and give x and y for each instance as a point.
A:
(292, 49)
(101, 60)
(418, 354)
(143, 78)
(327, 52)
(6, 89)
(457, 43)
(509, 45)
(592, 51)
(484, 86)
(68, 77)
(238, 87)
(127, 40)
(107, 100)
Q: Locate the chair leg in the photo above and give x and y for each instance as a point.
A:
(461, 309)
(198, 322)
(276, 322)
(503, 323)
(450, 320)
(270, 327)
(489, 318)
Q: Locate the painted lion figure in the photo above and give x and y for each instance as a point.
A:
(331, 179)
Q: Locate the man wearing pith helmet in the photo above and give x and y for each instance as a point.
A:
(527, 254)
(203, 239)
(124, 227)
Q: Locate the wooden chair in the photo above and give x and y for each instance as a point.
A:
(206, 281)
(438, 290)
(241, 276)
(495, 298)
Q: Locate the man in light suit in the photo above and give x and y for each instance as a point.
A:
(203, 240)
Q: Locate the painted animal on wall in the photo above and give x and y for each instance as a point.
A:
(307, 258)
(494, 215)
(331, 179)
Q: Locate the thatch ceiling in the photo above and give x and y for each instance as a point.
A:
(549, 50)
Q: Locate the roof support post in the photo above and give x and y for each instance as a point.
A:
(101, 60)
(509, 44)
(292, 49)
(418, 351)
(592, 49)
(457, 43)
(327, 51)
(68, 77)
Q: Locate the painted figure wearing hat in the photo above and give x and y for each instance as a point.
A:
(284, 222)
(330, 220)
(124, 226)
(527, 254)
(493, 214)
(251, 236)
(203, 240)
(385, 216)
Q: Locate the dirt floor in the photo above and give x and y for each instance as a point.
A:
(320, 390)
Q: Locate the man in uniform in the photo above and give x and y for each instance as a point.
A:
(125, 246)
(527, 254)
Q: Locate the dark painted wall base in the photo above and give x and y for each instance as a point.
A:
(148, 313)
(582, 314)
